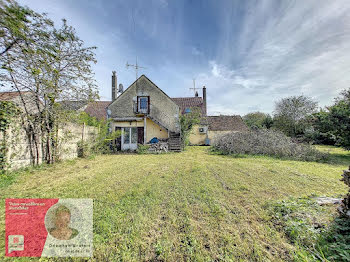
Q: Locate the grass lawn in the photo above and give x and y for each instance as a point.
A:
(192, 205)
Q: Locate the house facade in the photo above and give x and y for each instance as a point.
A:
(141, 112)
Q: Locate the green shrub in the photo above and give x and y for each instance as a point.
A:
(104, 143)
(187, 121)
(83, 149)
(266, 142)
(142, 149)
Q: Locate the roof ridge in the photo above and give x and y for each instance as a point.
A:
(187, 97)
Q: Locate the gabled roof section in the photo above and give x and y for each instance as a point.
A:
(226, 123)
(155, 85)
(189, 102)
(138, 79)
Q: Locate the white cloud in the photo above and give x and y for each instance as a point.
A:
(282, 48)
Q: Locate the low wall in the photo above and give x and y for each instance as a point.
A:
(19, 155)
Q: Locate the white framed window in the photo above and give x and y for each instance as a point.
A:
(143, 104)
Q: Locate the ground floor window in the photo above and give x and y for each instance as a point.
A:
(129, 137)
(126, 135)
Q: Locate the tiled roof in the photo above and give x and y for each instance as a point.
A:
(73, 105)
(226, 123)
(189, 102)
(98, 109)
(7, 96)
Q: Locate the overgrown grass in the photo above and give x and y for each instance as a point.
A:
(190, 206)
(336, 155)
(317, 231)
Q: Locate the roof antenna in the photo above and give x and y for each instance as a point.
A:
(135, 66)
(194, 87)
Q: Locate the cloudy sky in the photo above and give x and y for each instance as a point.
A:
(247, 53)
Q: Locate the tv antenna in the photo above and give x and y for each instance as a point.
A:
(136, 67)
(194, 87)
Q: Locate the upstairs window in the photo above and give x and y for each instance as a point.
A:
(143, 104)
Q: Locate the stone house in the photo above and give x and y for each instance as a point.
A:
(143, 111)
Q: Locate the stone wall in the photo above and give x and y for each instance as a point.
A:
(19, 155)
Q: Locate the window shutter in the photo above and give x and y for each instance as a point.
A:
(148, 100)
(137, 104)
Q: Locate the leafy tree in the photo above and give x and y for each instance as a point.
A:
(321, 130)
(332, 125)
(23, 31)
(258, 120)
(85, 118)
(52, 65)
(291, 113)
(15, 23)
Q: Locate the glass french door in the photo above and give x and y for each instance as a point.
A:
(129, 138)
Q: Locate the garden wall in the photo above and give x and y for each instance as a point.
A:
(19, 155)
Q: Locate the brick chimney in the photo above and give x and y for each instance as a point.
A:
(205, 100)
(114, 86)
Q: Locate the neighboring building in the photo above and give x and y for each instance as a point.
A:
(11, 96)
(19, 98)
(211, 127)
(187, 104)
(97, 109)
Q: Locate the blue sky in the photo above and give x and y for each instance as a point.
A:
(247, 53)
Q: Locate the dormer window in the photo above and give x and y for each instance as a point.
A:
(143, 104)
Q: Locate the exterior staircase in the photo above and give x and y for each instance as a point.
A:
(174, 142)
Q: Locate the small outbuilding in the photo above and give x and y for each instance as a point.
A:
(212, 127)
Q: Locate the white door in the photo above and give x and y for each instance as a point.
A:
(129, 138)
